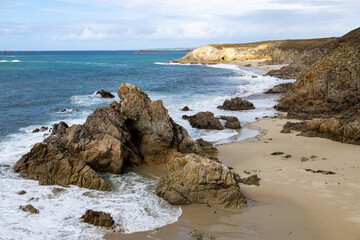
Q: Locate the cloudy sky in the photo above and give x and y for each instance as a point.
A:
(142, 24)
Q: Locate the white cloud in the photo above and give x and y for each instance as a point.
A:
(87, 34)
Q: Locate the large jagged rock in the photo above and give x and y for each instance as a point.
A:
(204, 120)
(236, 104)
(151, 127)
(200, 180)
(331, 86)
(47, 164)
(111, 137)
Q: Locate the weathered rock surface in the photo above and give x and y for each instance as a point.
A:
(236, 104)
(110, 137)
(341, 130)
(252, 180)
(98, 218)
(331, 86)
(204, 120)
(132, 132)
(105, 94)
(231, 122)
(30, 209)
(281, 88)
(201, 180)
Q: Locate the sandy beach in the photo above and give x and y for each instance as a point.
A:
(290, 203)
(258, 64)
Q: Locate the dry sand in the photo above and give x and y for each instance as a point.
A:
(290, 203)
(258, 64)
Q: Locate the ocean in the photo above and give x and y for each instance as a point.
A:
(43, 88)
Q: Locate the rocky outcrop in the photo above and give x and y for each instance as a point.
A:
(236, 104)
(133, 132)
(201, 180)
(281, 88)
(204, 120)
(341, 130)
(105, 94)
(297, 53)
(231, 122)
(331, 86)
(98, 218)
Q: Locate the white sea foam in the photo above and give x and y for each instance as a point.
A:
(92, 99)
(172, 63)
(14, 61)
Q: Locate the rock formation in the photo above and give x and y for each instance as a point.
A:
(98, 218)
(281, 88)
(204, 120)
(105, 94)
(201, 180)
(330, 87)
(236, 104)
(133, 132)
(341, 130)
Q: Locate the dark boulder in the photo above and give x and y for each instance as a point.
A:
(98, 218)
(105, 94)
(236, 104)
(205, 120)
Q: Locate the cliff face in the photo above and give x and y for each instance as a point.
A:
(330, 87)
(285, 51)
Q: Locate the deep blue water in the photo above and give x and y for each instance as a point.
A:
(42, 83)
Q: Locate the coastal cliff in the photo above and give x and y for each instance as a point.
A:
(293, 52)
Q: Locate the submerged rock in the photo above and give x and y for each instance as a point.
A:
(105, 94)
(98, 218)
(236, 104)
(204, 120)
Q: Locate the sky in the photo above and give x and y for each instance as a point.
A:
(147, 24)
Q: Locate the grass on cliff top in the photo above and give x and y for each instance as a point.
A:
(298, 44)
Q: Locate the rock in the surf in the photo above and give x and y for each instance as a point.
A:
(236, 104)
(98, 218)
(30, 209)
(231, 122)
(105, 94)
(204, 120)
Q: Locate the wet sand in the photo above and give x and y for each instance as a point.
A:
(290, 203)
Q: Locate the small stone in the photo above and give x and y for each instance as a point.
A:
(186, 108)
(313, 156)
(22, 192)
(304, 159)
(277, 153)
(29, 208)
(56, 190)
(287, 156)
(196, 234)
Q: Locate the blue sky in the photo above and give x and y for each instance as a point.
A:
(143, 24)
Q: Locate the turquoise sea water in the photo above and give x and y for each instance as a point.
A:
(35, 88)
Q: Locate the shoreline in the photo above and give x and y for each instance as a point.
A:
(290, 203)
